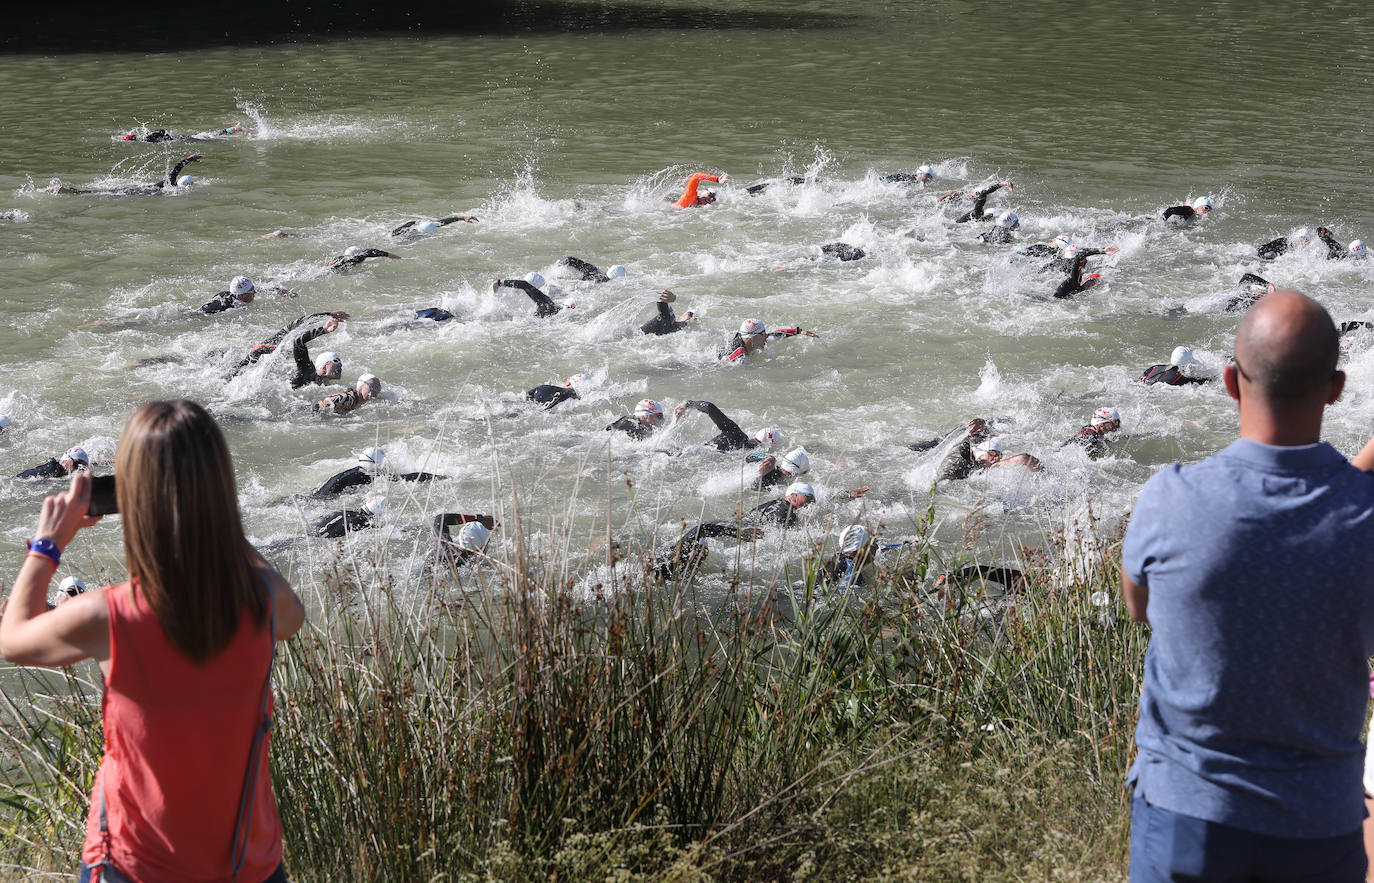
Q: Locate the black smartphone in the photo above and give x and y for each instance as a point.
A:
(103, 500)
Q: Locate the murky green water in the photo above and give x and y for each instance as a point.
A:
(567, 142)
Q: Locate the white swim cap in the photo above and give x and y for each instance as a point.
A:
(1071, 251)
(371, 458)
(853, 539)
(240, 285)
(186, 179)
(535, 279)
(1105, 415)
(795, 462)
(352, 251)
(4, 421)
(1358, 249)
(473, 536)
(648, 408)
(1062, 241)
(987, 446)
(768, 439)
(577, 379)
(1008, 220)
(371, 380)
(571, 304)
(425, 227)
(70, 583)
(801, 487)
(705, 191)
(750, 327)
(927, 171)
(1301, 235)
(617, 271)
(323, 359)
(1181, 356)
(1202, 204)
(375, 506)
(77, 455)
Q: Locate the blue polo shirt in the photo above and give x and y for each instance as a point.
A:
(1258, 561)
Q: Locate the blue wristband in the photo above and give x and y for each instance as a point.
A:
(47, 548)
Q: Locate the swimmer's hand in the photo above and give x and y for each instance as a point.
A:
(724, 177)
(488, 522)
(238, 127)
(195, 157)
(766, 464)
(275, 234)
(340, 315)
(666, 297)
(807, 333)
(679, 411)
(331, 326)
(1111, 249)
(687, 318)
(750, 534)
(857, 492)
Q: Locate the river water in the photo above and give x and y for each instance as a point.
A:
(566, 137)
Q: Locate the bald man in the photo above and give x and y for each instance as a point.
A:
(1252, 569)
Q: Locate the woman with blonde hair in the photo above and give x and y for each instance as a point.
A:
(185, 649)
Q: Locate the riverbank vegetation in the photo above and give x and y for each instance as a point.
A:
(505, 722)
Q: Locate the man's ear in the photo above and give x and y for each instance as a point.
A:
(1231, 377)
(1337, 387)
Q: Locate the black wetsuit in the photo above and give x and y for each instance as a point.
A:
(551, 396)
(1170, 375)
(1334, 250)
(1075, 283)
(359, 477)
(960, 463)
(681, 562)
(633, 427)
(1274, 248)
(980, 198)
(590, 272)
(842, 250)
(756, 189)
(305, 369)
(664, 323)
(434, 313)
(1354, 325)
(162, 136)
(735, 349)
(731, 437)
(344, 263)
(901, 178)
(1038, 250)
(772, 512)
(442, 222)
(1242, 302)
(1090, 439)
(1182, 212)
(50, 469)
(1007, 576)
(543, 304)
(339, 523)
(169, 181)
(998, 235)
(448, 551)
(225, 300)
(769, 479)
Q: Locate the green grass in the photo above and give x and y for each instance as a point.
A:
(507, 731)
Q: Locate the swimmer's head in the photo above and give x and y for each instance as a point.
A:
(853, 539)
(4, 422)
(800, 494)
(616, 271)
(472, 537)
(768, 439)
(186, 180)
(368, 386)
(795, 462)
(1009, 220)
(925, 173)
(352, 251)
(576, 380)
(571, 304)
(1106, 419)
(242, 288)
(1202, 205)
(1358, 249)
(75, 458)
(425, 227)
(329, 365)
(127, 136)
(649, 411)
(1062, 241)
(751, 328)
(706, 196)
(375, 506)
(371, 459)
(1182, 357)
(535, 279)
(1070, 251)
(987, 451)
(1301, 236)
(68, 589)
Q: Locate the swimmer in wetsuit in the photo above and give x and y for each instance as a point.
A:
(367, 387)
(1337, 252)
(1000, 234)
(666, 322)
(686, 556)
(472, 537)
(852, 564)
(774, 471)
(337, 524)
(591, 272)
(241, 291)
(753, 337)
(1093, 437)
(544, 305)
(434, 314)
(979, 197)
(920, 176)
(1276, 247)
(648, 417)
(1200, 208)
(162, 136)
(368, 470)
(842, 251)
(731, 437)
(782, 511)
(551, 396)
(304, 367)
(74, 460)
(986, 454)
(1077, 282)
(353, 256)
(426, 227)
(1255, 288)
(690, 196)
(173, 179)
(1178, 372)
